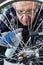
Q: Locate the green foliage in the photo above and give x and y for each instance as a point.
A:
(3, 8)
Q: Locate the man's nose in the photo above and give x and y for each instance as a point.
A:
(25, 16)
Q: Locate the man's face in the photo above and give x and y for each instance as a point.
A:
(26, 12)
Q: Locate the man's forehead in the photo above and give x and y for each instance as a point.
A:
(25, 4)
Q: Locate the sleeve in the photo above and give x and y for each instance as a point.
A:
(3, 27)
(6, 17)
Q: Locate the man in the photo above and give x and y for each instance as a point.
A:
(26, 12)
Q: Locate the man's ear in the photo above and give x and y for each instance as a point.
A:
(14, 5)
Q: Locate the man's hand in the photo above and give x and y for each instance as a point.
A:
(8, 38)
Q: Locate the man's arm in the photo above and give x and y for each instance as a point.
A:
(3, 27)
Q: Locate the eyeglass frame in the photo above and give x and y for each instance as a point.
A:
(26, 12)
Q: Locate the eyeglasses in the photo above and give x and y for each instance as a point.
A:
(28, 12)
